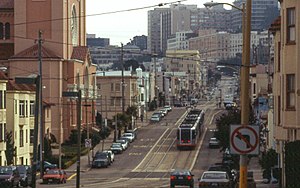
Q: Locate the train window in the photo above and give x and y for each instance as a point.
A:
(194, 134)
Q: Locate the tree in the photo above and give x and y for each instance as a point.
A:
(10, 148)
(223, 125)
(134, 64)
(268, 160)
(132, 111)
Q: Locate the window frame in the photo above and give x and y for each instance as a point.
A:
(289, 13)
(290, 89)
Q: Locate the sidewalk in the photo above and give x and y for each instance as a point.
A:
(84, 166)
(255, 167)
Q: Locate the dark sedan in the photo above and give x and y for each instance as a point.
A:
(182, 177)
(26, 175)
(9, 176)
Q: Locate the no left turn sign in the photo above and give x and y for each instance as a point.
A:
(244, 139)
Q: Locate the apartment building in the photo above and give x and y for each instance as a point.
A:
(20, 119)
(3, 119)
(218, 44)
(179, 41)
(185, 61)
(286, 83)
(109, 86)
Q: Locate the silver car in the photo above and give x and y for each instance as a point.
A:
(214, 179)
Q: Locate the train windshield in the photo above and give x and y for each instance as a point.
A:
(185, 135)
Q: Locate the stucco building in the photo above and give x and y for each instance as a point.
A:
(66, 62)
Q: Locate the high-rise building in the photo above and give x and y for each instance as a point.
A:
(140, 41)
(263, 14)
(158, 29)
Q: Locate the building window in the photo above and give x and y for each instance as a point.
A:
(254, 88)
(118, 87)
(279, 56)
(112, 87)
(1, 30)
(16, 106)
(112, 101)
(26, 136)
(1, 99)
(4, 96)
(290, 91)
(291, 28)
(7, 31)
(22, 108)
(1, 133)
(21, 137)
(26, 108)
(31, 110)
(31, 136)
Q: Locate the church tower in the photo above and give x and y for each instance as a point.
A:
(66, 60)
(61, 21)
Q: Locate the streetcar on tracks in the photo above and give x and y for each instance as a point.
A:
(190, 130)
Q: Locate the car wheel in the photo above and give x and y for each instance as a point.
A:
(65, 180)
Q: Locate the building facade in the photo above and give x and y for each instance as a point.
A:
(66, 63)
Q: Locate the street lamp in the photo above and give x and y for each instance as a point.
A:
(246, 25)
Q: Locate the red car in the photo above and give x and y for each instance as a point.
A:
(55, 176)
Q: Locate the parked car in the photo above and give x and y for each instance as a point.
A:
(124, 143)
(181, 177)
(55, 176)
(9, 176)
(126, 139)
(214, 179)
(223, 168)
(110, 154)
(163, 111)
(169, 108)
(116, 148)
(101, 159)
(134, 131)
(156, 117)
(47, 166)
(214, 143)
(26, 175)
(130, 136)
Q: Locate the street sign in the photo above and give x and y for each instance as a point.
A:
(88, 143)
(244, 139)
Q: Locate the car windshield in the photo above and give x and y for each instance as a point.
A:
(155, 115)
(101, 156)
(214, 176)
(6, 170)
(127, 134)
(53, 172)
(121, 141)
(22, 169)
(115, 145)
(180, 173)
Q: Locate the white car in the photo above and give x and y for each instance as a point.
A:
(168, 108)
(214, 143)
(130, 136)
(156, 117)
(123, 143)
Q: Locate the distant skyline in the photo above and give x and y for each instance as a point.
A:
(121, 27)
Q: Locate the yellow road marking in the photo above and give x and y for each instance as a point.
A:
(72, 176)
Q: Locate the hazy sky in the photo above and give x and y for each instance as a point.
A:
(121, 27)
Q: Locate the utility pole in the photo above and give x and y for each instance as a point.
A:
(155, 82)
(78, 95)
(123, 84)
(41, 105)
(245, 110)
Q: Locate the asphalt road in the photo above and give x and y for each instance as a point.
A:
(150, 159)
